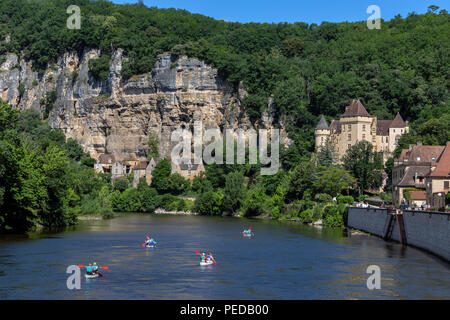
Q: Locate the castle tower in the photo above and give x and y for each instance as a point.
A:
(321, 133)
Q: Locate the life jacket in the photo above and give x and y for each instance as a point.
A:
(95, 268)
(88, 269)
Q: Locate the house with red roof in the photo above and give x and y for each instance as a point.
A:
(421, 175)
(438, 181)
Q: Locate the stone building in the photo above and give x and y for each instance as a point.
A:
(355, 125)
(423, 172)
(438, 181)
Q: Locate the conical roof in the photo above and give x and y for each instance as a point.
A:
(398, 122)
(322, 125)
(356, 109)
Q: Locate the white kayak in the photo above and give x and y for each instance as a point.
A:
(91, 276)
(150, 246)
(245, 234)
(207, 263)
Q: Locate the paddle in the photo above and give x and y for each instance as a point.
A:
(104, 268)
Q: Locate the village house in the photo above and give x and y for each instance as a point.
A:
(438, 181)
(355, 125)
(104, 163)
(421, 175)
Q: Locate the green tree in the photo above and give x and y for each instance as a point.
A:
(365, 165)
(160, 176)
(153, 146)
(234, 186)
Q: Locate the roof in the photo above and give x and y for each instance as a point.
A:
(443, 164)
(398, 122)
(383, 127)
(335, 126)
(106, 158)
(356, 109)
(421, 154)
(418, 195)
(322, 125)
(410, 173)
(185, 166)
(141, 165)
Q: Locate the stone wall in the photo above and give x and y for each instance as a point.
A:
(425, 230)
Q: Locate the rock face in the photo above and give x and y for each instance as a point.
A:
(116, 116)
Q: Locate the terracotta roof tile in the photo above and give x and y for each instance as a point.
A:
(408, 178)
(398, 122)
(443, 164)
(356, 109)
(424, 153)
(141, 165)
(335, 126)
(383, 127)
(106, 158)
(418, 195)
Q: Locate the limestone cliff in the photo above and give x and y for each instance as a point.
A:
(117, 115)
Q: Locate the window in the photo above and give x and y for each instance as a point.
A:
(322, 140)
(349, 137)
(364, 137)
(387, 140)
(349, 146)
(364, 127)
(446, 184)
(373, 139)
(349, 127)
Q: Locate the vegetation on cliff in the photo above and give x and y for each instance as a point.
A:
(307, 69)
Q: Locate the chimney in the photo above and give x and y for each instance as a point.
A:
(419, 143)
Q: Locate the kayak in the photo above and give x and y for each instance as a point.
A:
(207, 263)
(150, 246)
(247, 234)
(91, 276)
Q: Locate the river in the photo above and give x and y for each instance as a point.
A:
(282, 261)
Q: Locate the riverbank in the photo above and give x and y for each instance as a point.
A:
(175, 213)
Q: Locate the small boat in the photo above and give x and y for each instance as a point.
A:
(151, 246)
(245, 234)
(207, 263)
(91, 276)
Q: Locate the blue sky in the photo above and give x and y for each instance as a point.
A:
(309, 11)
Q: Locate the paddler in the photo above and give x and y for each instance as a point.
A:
(95, 268)
(89, 269)
(203, 257)
(209, 257)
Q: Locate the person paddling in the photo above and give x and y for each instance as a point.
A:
(210, 257)
(89, 269)
(203, 257)
(95, 268)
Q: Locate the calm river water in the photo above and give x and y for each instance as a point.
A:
(282, 261)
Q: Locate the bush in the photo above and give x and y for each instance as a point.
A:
(129, 201)
(100, 68)
(209, 203)
(333, 217)
(345, 199)
(323, 197)
(306, 216)
(121, 185)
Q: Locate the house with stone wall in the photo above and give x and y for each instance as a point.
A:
(355, 125)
